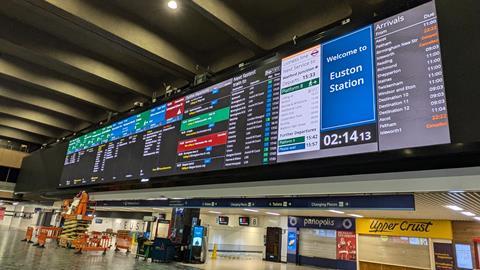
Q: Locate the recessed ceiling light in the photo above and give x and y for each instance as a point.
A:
(215, 212)
(250, 210)
(454, 207)
(456, 191)
(336, 211)
(272, 213)
(469, 214)
(477, 218)
(355, 215)
(172, 4)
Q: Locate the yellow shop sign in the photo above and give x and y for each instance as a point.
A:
(406, 227)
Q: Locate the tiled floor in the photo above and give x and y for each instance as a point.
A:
(16, 255)
(225, 264)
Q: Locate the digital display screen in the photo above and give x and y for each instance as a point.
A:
(244, 221)
(198, 232)
(223, 220)
(463, 256)
(377, 88)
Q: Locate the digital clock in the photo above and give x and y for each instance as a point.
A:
(350, 136)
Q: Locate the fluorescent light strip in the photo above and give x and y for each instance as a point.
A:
(355, 215)
(477, 218)
(468, 214)
(215, 212)
(272, 213)
(454, 207)
(336, 211)
(250, 210)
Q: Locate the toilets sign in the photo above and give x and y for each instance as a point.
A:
(331, 223)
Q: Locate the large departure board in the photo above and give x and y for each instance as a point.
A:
(377, 88)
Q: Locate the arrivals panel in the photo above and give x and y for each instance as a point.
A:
(375, 89)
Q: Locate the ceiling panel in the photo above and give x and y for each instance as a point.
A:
(78, 59)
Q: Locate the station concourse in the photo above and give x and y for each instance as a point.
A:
(239, 135)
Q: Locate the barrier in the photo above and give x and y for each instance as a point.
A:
(45, 233)
(123, 242)
(28, 235)
(95, 242)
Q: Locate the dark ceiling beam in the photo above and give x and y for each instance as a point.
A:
(30, 126)
(44, 117)
(28, 43)
(50, 81)
(13, 133)
(231, 23)
(127, 34)
(47, 101)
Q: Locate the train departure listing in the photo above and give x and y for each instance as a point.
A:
(374, 89)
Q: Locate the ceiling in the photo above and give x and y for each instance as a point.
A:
(428, 206)
(65, 65)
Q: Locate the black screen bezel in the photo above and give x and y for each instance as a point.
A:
(430, 156)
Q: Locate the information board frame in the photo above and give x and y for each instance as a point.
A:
(186, 179)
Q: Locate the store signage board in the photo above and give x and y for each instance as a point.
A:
(441, 229)
(330, 223)
(378, 202)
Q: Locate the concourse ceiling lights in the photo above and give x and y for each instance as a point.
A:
(250, 210)
(215, 212)
(468, 214)
(454, 208)
(477, 218)
(272, 213)
(336, 211)
(172, 4)
(355, 215)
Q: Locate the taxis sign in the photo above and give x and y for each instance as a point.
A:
(406, 227)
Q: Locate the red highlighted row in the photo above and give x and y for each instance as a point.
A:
(202, 142)
(175, 108)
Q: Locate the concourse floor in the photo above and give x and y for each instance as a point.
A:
(239, 264)
(15, 255)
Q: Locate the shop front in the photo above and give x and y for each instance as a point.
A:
(322, 241)
(404, 244)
